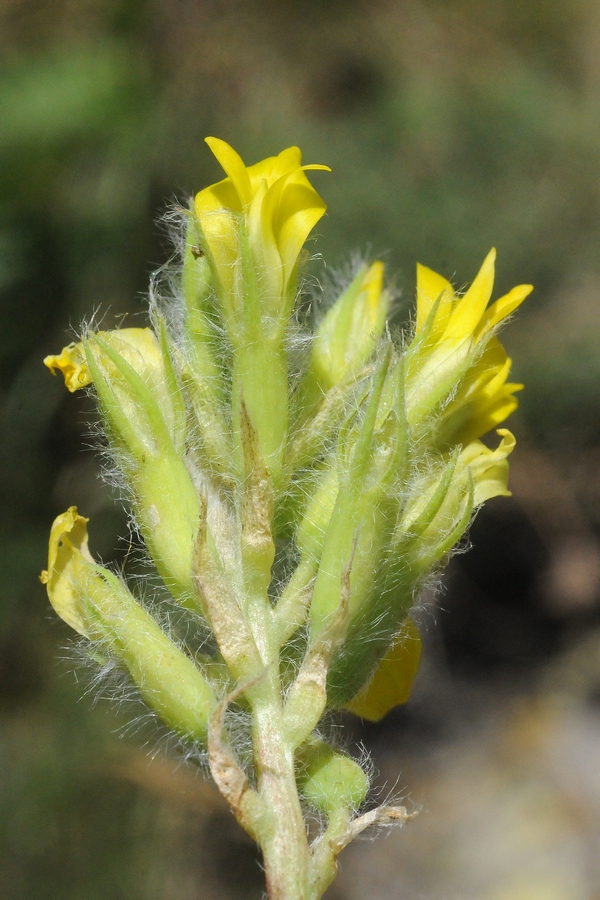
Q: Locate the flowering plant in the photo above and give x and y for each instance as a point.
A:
(293, 503)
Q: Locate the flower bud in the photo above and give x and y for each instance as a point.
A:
(329, 779)
(354, 545)
(347, 336)
(313, 526)
(130, 361)
(441, 503)
(435, 517)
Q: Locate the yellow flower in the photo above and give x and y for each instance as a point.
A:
(137, 346)
(454, 344)
(96, 604)
(276, 205)
(474, 474)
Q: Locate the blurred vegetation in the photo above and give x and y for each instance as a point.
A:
(450, 126)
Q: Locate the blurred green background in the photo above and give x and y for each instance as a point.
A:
(450, 126)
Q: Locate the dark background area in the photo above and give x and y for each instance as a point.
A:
(450, 127)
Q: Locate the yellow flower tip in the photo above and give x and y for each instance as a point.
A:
(248, 180)
(490, 259)
(466, 318)
(233, 166)
(71, 364)
(138, 346)
(373, 287)
(68, 564)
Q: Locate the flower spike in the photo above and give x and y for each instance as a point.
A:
(294, 489)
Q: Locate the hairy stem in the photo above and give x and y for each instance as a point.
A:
(282, 837)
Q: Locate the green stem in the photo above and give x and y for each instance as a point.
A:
(280, 831)
(323, 864)
(282, 835)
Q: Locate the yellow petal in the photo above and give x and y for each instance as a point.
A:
(214, 199)
(503, 307)
(71, 364)
(497, 410)
(471, 306)
(430, 288)
(68, 566)
(261, 219)
(487, 365)
(273, 168)
(484, 379)
(300, 209)
(484, 400)
(234, 167)
(393, 679)
(481, 417)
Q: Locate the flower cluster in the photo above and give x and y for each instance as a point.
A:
(295, 517)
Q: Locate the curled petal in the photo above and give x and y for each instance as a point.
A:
(300, 208)
(70, 362)
(489, 468)
(69, 565)
(233, 165)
